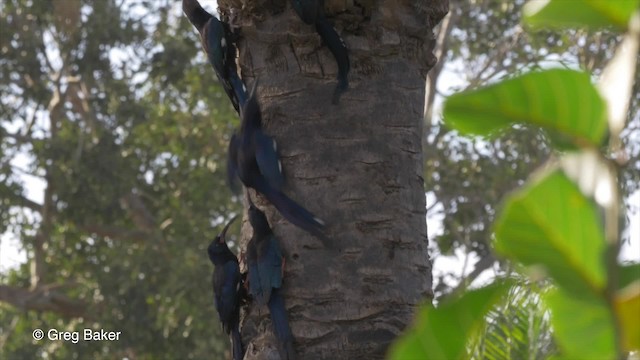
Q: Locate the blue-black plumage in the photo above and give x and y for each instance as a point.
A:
(253, 158)
(226, 289)
(218, 42)
(312, 13)
(265, 263)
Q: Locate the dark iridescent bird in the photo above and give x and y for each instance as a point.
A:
(312, 13)
(226, 289)
(253, 157)
(218, 42)
(265, 263)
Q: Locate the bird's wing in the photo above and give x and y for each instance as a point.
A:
(308, 10)
(216, 45)
(259, 293)
(217, 48)
(267, 158)
(229, 292)
(270, 263)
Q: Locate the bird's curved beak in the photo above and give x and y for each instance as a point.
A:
(224, 231)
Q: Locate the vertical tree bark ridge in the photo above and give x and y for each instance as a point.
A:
(357, 165)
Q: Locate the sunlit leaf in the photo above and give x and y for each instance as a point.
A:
(582, 326)
(443, 332)
(627, 305)
(589, 170)
(616, 84)
(563, 102)
(550, 223)
(595, 14)
(517, 327)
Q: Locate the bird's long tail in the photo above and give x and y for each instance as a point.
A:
(281, 327)
(339, 50)
(293, 212)
(239, 88)
(236, 343)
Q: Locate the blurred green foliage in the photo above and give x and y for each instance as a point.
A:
(487, 42)
(562, 225)
(112, 106)
(441, 333)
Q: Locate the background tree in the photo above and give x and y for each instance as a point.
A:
(467, 177)
(481, 42)
(108, 105)
(564, 223)
(582, 218)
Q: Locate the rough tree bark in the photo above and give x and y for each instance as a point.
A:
(356, 165)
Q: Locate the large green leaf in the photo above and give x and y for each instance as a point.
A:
(561, 101)
(627, 305)
(627, 274)
(443, 332)
(550, 223)
(590, 13)
(583, 327)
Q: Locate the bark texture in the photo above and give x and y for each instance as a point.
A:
(356, 165)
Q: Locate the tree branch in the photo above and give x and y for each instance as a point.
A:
(19, 138)
(43, 298)
(138, 211)
(38, 264)
(440, 51)
(119, 233)
(483, 264)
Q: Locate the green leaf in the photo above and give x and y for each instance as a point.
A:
(561, 101)
(594, 14)
(550, 223)
(582, 326)
(517, 327)
(628, 273)
(443, 332)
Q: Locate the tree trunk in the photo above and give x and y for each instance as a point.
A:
(356, 165)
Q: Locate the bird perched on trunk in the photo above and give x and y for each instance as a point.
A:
(266, 263)
(312, 13)
(253, 157)
(218, 42)
(226, 289)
